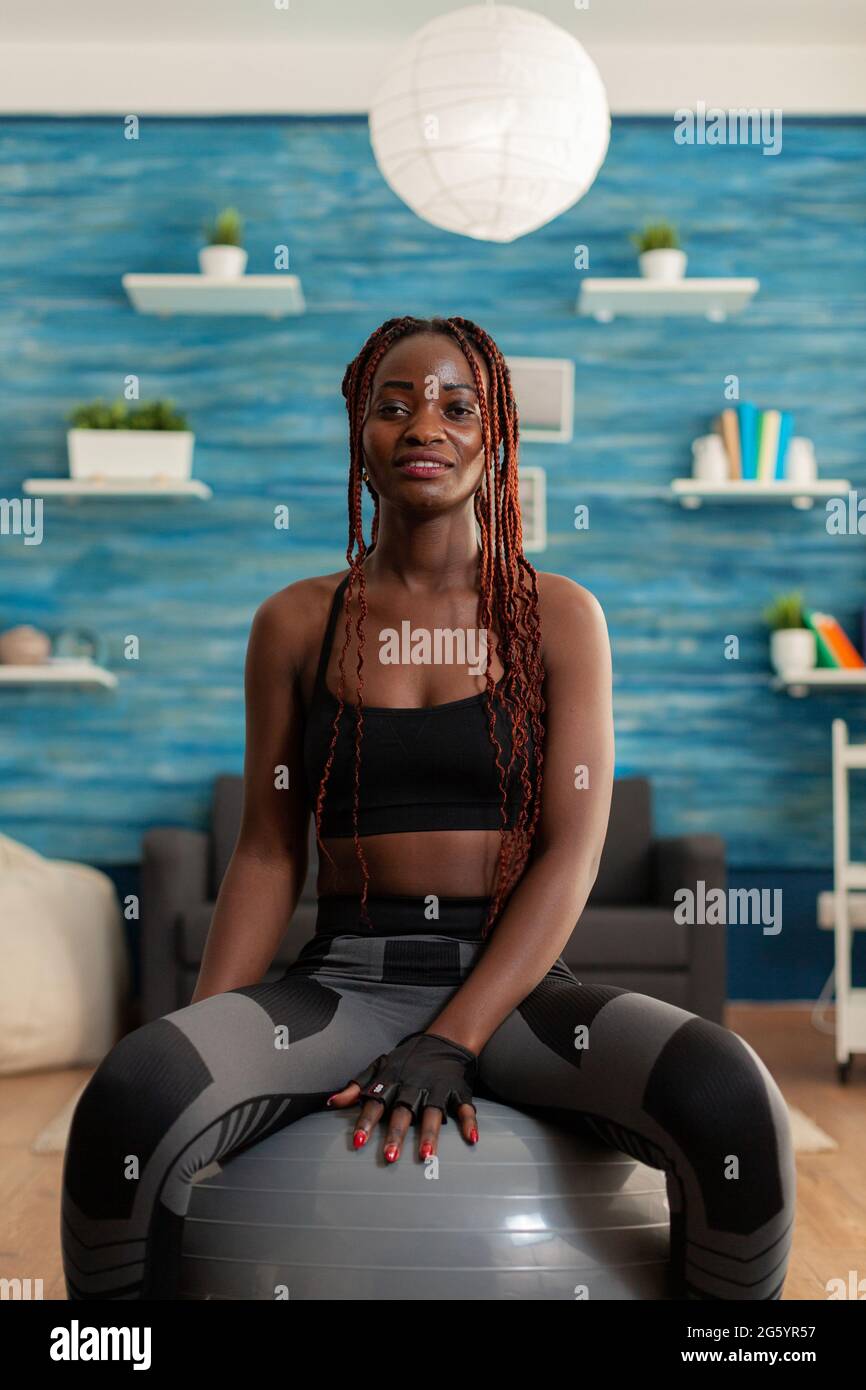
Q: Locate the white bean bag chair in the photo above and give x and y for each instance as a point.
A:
(64, 967)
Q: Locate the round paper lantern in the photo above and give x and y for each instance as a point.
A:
(491, 122)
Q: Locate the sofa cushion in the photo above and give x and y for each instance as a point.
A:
(192, 927)
(228, 800)
(65, 968)
(625, 870)
(628, 937)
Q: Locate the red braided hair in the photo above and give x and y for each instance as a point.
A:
(508, 598)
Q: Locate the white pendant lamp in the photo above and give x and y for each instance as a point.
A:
(491, 122)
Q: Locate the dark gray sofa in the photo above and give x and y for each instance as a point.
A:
(626, 935)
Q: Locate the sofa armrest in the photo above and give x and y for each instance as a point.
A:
(679, 861)
(684, 861)
(174, 877)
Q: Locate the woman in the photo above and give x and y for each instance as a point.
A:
(460, 831)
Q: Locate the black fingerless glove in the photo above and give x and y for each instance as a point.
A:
(423, 1069)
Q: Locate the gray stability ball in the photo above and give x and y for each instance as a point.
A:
(532, 1212)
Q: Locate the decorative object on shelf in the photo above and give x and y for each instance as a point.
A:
(763, 442)
(224, 256)
(710, 461)
(752, 457)
(79, 644)
(801, 465)
(746, 414)
(544, 391)
(491, 122)
(149, 441)
(835, 649)
(24, 646)
(793, 647)
(660, 255)
(756, 445)
(728, 427)
(714, 299)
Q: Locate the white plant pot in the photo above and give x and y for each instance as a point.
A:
(793, 650)
(667, 264)
(130, 454)
(222, 262)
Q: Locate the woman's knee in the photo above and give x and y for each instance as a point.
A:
(718, 1103)
(137, 1093)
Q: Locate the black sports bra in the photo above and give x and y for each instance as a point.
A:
(431, 768)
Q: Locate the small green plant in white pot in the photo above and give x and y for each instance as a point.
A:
(793, 649)
(117, 441)
(660, 255)
(224, 256)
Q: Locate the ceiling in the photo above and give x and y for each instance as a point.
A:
(252, 21)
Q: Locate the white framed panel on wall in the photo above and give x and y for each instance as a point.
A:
(544, 390)
(532, 484)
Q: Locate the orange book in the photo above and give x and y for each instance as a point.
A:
(729, 428)
(838, 641)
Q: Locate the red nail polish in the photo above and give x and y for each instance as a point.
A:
(333, 1097)
(473, 1136)
(391, 1152)
(426, 1149)
(360, 1139)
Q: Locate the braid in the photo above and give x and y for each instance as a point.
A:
(508, 589)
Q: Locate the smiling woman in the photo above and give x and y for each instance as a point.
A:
(446, 978)
(429, 406)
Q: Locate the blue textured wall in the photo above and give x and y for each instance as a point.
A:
(83, 774)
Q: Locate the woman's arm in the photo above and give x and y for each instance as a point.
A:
(542, 911)
(266, 873)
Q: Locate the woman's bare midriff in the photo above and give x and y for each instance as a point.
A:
(448, 863)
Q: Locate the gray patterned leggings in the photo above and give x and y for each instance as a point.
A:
(677, 1092)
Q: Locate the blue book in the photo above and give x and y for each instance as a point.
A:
(786, 429)
(747, 415)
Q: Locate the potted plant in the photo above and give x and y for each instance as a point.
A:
(224, 256)
(792, 645)
(660, 255)
(118, 441)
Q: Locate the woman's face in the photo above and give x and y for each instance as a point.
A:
(423, 406)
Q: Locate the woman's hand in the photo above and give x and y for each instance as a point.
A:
(424, 1074)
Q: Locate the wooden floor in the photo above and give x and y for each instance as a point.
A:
(830, 1232)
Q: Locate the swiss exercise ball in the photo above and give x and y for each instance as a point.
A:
(532, 1212)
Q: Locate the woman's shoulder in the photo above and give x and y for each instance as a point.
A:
(565, 598)
(570, 615)
(303, 597)
(294, 618)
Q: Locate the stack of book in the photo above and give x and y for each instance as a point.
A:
(756, 441)
(834, 647)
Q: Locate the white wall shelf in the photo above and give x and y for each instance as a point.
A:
(79, 489)
(532, 486)
(820, 678)
(57, 671)
(692, 492)
(269, 296)
(544, 390)
(716, 300)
